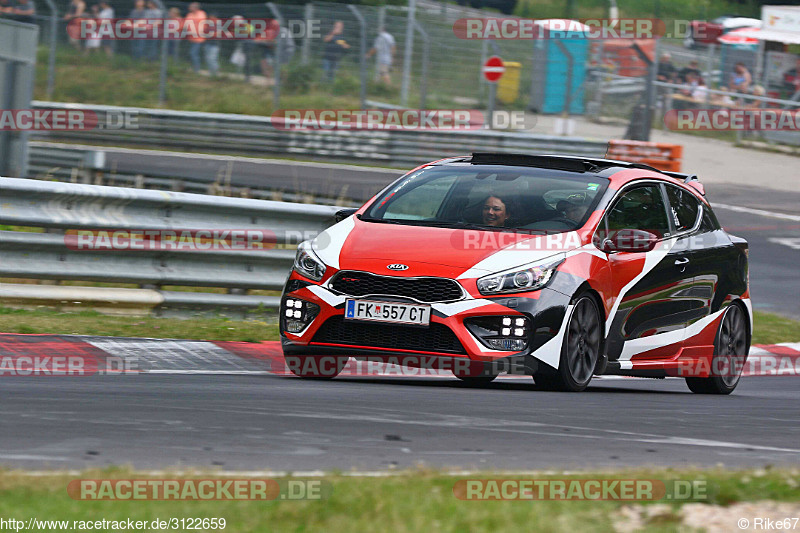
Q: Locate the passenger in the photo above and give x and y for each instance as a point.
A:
(573, 210)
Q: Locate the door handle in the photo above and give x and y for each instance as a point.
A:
(682, 261)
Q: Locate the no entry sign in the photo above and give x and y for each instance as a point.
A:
(493, 69)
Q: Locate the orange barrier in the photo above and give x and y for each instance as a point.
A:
(659, 155)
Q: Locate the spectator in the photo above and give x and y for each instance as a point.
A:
(151, 45)
(172, 44)
(93, 38)
(76, 11)
(384, 47)
(212, 52)
(24, 11)
(138, 16)
(107, 14)
(268, 44)
(194, 17)
(740, 79)
(791, 79)
(693, 68)
(666, 70)
(335, 48)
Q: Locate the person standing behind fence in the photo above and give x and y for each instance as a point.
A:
(107, 14)
(384, 47)
(194, 17)
(138, 15)
(93, 37)
(212, 51)
(76, 11)
(151, 45)
(335, 48)
(24, 11)
(172, 44)
(740, 79)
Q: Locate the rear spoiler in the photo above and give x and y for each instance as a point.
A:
(689, 179)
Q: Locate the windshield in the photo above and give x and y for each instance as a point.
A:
(491, 197)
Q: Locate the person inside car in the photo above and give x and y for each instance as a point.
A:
(572, 208)
(496, 211)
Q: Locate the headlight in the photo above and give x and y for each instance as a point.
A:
(521, 279)
(306, 262)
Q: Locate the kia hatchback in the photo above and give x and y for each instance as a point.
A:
(559, 267)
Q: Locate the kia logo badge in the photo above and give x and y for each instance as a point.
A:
(397, 266)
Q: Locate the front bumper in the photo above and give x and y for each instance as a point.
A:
(546, 310)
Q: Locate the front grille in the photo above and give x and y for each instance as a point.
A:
(421, 289)
(434, 338)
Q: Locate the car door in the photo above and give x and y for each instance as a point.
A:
(647, 318)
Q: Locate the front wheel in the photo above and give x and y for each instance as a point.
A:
(730, 350)
(579, 352)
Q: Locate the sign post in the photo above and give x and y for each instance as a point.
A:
(493, 70)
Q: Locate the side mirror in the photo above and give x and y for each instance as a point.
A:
(629, 240)
(343, 214)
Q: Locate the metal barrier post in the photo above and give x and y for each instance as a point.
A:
(409, 49)
(51, 58)
(305, 52)
(423, 90)
(276, 98)
(362, 62)
(162, 76)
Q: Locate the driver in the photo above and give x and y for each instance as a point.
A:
(573, 209)
(496, 211)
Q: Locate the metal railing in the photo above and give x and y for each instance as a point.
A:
(57, 207)
(257, 135)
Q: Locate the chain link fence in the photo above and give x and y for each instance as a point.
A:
(444, 70)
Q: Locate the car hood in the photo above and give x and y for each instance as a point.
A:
(431, 251)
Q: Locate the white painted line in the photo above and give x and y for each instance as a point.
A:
(759, 212)
(791, 242)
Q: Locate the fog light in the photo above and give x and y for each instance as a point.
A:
(495, 332)
(298, 314)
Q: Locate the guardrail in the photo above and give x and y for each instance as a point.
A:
(55, 207)
(256, 135)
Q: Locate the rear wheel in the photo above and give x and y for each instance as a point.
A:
(315, 367)
(580, 350)
(730, 350)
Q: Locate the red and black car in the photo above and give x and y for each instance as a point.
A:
(566, 267)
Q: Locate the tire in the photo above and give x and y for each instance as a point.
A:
(731, 347)
(580, 350)
(315, 367)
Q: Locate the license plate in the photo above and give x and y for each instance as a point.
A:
(396, 313)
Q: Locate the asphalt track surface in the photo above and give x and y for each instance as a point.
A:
(273, 423)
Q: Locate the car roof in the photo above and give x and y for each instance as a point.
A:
(619, 173)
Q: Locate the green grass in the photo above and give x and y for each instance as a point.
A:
(93, 323)
(410, 501)
(769, 328)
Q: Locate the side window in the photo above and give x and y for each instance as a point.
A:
(420, 202)
(684, 208)
(639, 208)
(709, 221)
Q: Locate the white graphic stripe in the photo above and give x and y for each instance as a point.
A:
(328, 244)
(651, 259)
(644, 344)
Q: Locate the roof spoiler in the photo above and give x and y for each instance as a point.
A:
(689, 179)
